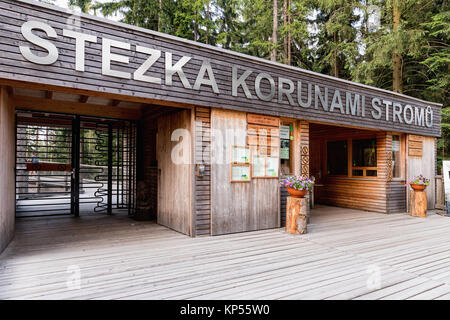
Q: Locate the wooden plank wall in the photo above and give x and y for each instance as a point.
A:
(396, 196)
(238, 206)
(426, 165)
(149, 159)
(283, 201)
(14, 67)
(174, 180)
(359, 193)
(203, 184)
(7, 165)
(395, 189)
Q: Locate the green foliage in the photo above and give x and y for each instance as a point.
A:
(84, 5)
(257, 27)
(229, 27)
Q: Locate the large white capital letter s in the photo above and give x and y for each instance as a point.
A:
(27, 33)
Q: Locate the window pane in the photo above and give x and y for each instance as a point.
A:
(286, 144)
(357, 173)
(396, 157)
(365, 153)
(337, 157)
(371, 173)
(285, 161)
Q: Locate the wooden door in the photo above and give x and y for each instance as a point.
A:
(174, 175)
(238, 206)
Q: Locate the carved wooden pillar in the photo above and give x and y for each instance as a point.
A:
(389, 165)
(304, 147)
(388, 158)
(304, 157)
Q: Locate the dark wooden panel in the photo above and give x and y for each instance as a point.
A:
(13, 14)
(203, 184)
(396, 197)
(49, 166)
(149, 160)
(283, 196)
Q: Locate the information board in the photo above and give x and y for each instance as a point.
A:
(240, 173)
(272, 167)
(258, 167)
(285, 132)
(284, 149)
(240, 154)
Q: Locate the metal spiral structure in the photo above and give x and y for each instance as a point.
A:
(101, 178)
(75, 165)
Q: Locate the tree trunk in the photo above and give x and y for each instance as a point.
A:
(418, 204)
(285, 24)
(159, 15)
(397, 81)
(296, 215)
(336, 58)
(273, 55)
(207, 23)
(289, 38)
(195, 30)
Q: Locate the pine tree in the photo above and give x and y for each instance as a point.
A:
(84, 5)
(229, 26)
(274, 39)
(257, 26)
(336, 46)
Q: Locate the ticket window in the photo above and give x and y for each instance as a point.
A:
(286, 148)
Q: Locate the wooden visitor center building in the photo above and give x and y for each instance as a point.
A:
(98, 116)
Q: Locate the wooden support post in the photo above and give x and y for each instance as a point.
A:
(296, 212)
(418, 204)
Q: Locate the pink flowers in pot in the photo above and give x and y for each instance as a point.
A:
(297, 183)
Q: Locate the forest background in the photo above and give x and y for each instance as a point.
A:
(399, 45)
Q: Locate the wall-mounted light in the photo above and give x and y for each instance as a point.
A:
(200, 170)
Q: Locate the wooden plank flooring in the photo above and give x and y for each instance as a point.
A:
(339, 258)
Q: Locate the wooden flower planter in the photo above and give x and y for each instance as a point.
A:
(296, 215)
(418, 201)
(296, 193)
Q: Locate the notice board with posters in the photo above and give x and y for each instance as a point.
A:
(263, 139)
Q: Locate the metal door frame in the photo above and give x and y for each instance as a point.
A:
(128, 170)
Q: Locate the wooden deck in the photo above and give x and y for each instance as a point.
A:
(339, 258)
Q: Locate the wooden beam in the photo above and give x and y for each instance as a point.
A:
(10, 90)
(48, 94)
(83, 99)
(149, 110)
(343, 125)
(88, 109)
(38, 86)
(47, 122)
(156, 114)
(115, 103)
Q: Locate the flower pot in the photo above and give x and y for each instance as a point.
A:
(418, 187)
(296, 193)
